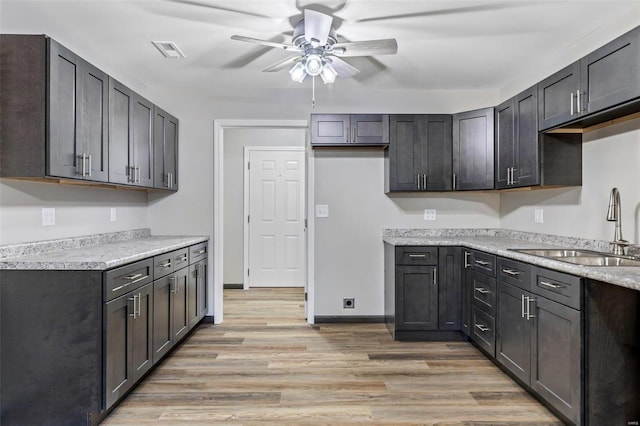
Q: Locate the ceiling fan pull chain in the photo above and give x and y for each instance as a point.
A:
(313, 92)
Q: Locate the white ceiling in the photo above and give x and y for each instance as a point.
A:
(457, 45)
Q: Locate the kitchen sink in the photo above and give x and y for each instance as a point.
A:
(582, 257)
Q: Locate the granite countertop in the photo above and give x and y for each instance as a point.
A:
(95, 254)
(499, 242)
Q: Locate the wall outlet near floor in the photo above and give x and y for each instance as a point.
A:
(48, 217)
(349, 303)
(429, 214)
(538, 215)
(322, 210)
(112, 214)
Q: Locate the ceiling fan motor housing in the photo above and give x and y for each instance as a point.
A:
(300, 41)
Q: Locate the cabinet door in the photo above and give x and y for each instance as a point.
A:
(473, 150)
(556, 97)
(330, 129)
(142, 147)
(435, 151)
(404, 154)
(118, 371)
(416, 298)
(192, 296)
(611, 75)
(93, 123)
(369, 129)
(142, 331)
(557, 356)
(513, 331)
(179, 317)
(203, 292)
(467, 289)
(449, 288)
(165, 152)
(504, 143)
(162, 313)
(527, 154)
(120, 133)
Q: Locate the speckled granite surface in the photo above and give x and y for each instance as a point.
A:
(94, 252)
(499, 242)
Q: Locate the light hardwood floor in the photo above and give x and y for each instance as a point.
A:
(266, 365)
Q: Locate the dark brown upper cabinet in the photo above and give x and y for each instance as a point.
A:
(165, 150)
(419, 154)
(473, 150)
(54, 112)
(349, 130)
(130, 137)
(517, 156)
(601, 86)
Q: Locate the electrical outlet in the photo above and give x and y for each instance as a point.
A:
(113, 216)
(48, 217)
(348, 303)
(538, 215)
(429, 214)
(322, 210)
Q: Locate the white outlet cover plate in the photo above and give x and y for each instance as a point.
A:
(538, 216)
(48, 217)
(113, 216)
(322, 210)
(429, 214)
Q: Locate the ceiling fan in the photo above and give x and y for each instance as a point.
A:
(318, 52)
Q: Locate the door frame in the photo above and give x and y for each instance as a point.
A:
(247, 200)
(219, 127)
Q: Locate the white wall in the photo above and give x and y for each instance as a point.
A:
(610, 158)
(348, 244)
(235, 139)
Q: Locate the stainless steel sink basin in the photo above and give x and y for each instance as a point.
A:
(582, 257)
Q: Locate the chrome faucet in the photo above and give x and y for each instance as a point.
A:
(613, 215)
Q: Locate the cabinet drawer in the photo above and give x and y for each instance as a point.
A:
(559, 287)
(483, 262)
(484, 292)
(483, 330)
(198, 251)
(180, 258)
(416, 255)
(163, 264)
(122, 280)
(514, 272)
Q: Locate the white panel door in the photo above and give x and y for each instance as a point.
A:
(276, 218)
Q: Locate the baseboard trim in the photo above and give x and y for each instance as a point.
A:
(348, 319)
(208, 319)
(234, 286)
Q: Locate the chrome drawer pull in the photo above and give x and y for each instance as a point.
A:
(511, 272)
(481, 262)
(466, 259)
(134, 299)
(482, 328)
(132, 277)
(201, 251)
(550, 285)
(482, 290)
(183, 258)
(164, 265)
(418, 255)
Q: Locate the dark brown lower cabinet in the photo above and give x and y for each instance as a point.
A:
(129, 321)
(170, 322)
(416, 298)
(197, 292)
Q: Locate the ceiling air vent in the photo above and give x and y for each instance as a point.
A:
(168, 49)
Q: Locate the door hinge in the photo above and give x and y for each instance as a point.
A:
(247, 271)
(248, 165)
(305, 296)
(248, 219)
(306, 223)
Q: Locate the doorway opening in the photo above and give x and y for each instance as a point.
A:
(284, 252)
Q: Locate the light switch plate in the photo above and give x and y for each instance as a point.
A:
(113, 217)
(322, 210)
(429, 214)
(48, 217)
(538, 215)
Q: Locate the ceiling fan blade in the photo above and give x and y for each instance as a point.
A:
(287, 47)
(366, 48)
(226, 9)
(342, 68)
(252, 54)
(316, 27)
(283, 63)
(478, 8)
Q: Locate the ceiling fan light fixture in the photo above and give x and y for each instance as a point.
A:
(313, 65)
(298, 72)
(328, 73)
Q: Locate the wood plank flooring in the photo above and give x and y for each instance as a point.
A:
(266, 365)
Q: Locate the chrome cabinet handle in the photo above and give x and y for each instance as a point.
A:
(523, 312)
(132, 277)
(183, 258)
(418, 181)
(133, 299)
(508, 176)
(435, 276)
(579, 109)
(455, 183)
(466, 259)
(424, 182)
(550, 285)
(511, 272)
(201, 251)
(173, 287)
(481, 262)
(166, 264)
(418, 255)
(482, 328)
(482, 290)
(529, 300)
(571, 103)
(89, 157)
(197, 270)
(138, 174)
